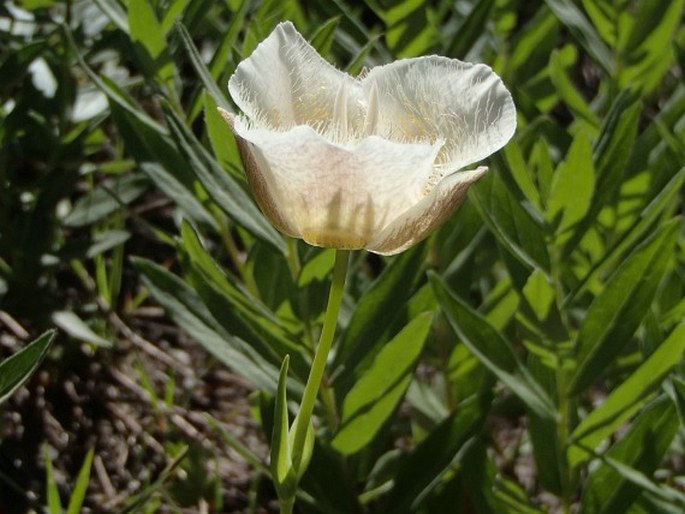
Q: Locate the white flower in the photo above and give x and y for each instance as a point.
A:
(363, 162)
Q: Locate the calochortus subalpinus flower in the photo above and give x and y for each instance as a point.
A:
(370, 162)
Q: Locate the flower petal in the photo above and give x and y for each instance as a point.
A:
(416, 223)
(335, 195)
(285, 82)
(434, 97)
(258, 185)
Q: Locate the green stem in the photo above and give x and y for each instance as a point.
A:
(564, 401)
(563, 433)
(328, 399)
(287, 505)
(311, 390)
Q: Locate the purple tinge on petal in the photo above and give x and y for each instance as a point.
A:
(335, 195)
(260, 188)
(363, 162)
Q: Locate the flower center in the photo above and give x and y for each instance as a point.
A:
(334, 238)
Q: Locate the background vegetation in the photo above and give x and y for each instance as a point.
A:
(527, 358)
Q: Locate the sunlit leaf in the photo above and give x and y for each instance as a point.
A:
(576, 22)
(628, 397)
(375, 396)
(617, 312)
(492, 349)
(572, 189)
(610, 490)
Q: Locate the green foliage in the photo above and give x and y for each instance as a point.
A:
(537, 334)
(371, 401)
(15, 370)
(78, 493)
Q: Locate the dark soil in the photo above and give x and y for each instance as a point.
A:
(85, 397)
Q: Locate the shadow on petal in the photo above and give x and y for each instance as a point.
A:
(418, 222)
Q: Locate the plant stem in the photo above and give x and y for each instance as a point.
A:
(328, 399)
(563, 433)
(563, 398)
(287, 505)
(311, 390)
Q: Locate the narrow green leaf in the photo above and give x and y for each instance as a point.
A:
(307, 450)
(375, 396)
(318, 268)
(184, 306)
(222, 139)
(152, 148)
(667, 499)
(520, 172)
(627, 398)
(492, 349)
(78, 494)
(384, 300)
(679, 398)
(604, 17)
(354, 67)
(52, 491)
(15, 370)
(203, 73)
(548, 450)
(639, 453)
(145, 27)
(612, 152)
(429, 402)
(223, 189)
(420, 472)
(240, 314)
(572, 189)
(150, 145)
(635, 233)
(533, 45)
(617, 312)
(328, 467)
(225, 284)
(514, 227)
(232, 440)
(172, 13)
(224, 53)
(107, 240)
(409, 31)
(568, 93)
(116, 13)
(470, 29)
(539, 294)
(146, 30)
(541, 161)
(106, 198)
(137, 503)
(583, 31)
(78, 329)
(118, 97)
(322, 39)
(647, 52)
(180, 192)
(281, 462)
(488, 489)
